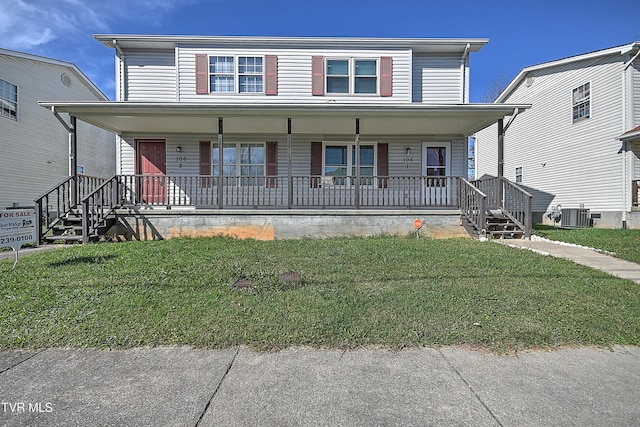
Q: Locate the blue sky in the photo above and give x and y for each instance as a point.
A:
(520, 33)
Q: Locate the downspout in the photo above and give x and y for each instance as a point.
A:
(464, 95)
(60, 119)
(122, 71)
(120, 96)
(625, 166)
(502, 128)
(70, 128)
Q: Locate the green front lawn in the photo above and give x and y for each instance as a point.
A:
(387, 291)
(624, 243)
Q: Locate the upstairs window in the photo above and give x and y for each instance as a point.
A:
(366, 76)
(8, 100)
(228, 74)
(222, 74)
(337, 76)
(250, 74)
(582, 102)
(352, 76)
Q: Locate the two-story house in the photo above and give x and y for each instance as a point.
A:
(274, 137)
(35, 147)
(577, 149)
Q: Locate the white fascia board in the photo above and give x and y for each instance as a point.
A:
(190, 108)
(619, 50)
(170, 42)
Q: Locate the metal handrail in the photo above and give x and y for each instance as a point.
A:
(53, 205)
(98, 205)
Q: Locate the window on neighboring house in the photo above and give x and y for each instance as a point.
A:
(582, 102)
(519, 174)
(8, 100)
(362, 80)
(340, 163)
(243, 163)
(225, 71)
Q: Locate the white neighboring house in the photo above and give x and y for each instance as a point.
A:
(578, 146)
(35, 147)
(263, 136)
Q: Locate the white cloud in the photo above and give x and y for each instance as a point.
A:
(63, 29)
(29, 24)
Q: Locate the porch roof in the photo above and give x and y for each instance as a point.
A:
(338, 119)
(631, 135)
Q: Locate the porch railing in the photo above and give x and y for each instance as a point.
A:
(284, 192)
(62, 199)
(98, 205)
(473, 204)
(512, 200)
(473, 199)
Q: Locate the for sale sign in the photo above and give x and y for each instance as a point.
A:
(17, 227)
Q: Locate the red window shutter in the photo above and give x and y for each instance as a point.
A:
(271, 160)
(316, 163)
(202, 74)
(317, 75)
(271, 75)
(386, 76)
(205, 162)
(383, 165)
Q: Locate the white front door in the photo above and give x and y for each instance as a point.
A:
(436, 167)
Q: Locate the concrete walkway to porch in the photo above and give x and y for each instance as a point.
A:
(579, 254)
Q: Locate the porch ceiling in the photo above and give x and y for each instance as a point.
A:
(399, 119)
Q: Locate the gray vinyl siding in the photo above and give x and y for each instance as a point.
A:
(35, 148)
(294, 76)
(437, 80)
(126, 155)
(189, 164)
(151, 75)
(565, 163)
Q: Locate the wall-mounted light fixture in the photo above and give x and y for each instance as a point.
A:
(179, 148)
(407, 151)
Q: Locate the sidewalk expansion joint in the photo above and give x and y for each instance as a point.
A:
(206, 408)
(23, 360)
(477, 396)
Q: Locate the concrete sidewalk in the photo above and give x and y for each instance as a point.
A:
(580, 255)
(309, 387)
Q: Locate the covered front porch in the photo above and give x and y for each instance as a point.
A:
(314, 161)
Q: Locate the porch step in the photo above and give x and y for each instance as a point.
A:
(500, 226)
(497, 226)
(69, 229)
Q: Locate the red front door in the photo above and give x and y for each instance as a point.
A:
(152, 166)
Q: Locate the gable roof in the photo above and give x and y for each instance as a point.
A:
(632, 48)
(69, 65)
